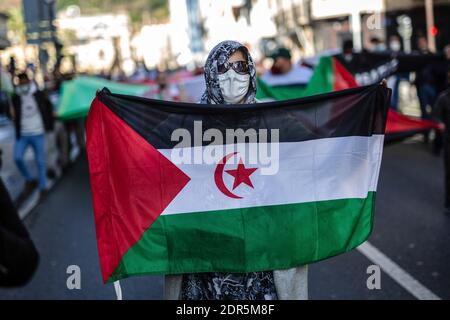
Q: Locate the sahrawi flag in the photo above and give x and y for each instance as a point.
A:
(185, 188)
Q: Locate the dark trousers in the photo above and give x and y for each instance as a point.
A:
(37, 142)
(447, 170)
(427, 96)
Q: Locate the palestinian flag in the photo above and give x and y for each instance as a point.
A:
(76, 95)
(185, 188)
(330, 75)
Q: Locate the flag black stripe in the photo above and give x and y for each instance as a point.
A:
(353, 112)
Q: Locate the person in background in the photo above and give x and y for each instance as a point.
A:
(395, 47)
(376, 45)
(164, 90)
(441, 112)
(422, 45)
(443, 71)
(442, 85)
(6, 83)
(53, 84)
(6, 89)
(446, 52)
(347, 58)
(31, 69)
(230, 78)
(33, 116)
(282, 63)
(12, 66)
(425, 81)
(141, 72)
(284, 72)
(18, 255)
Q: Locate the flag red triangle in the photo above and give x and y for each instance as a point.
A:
(342, 78)
(132, 183)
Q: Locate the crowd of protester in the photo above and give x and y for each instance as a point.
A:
(33, 112)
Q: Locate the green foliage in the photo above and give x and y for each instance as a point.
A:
(16, 24)
(156, 9)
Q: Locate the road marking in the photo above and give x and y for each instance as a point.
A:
(29, 204)
(403, 278)
(33, 200)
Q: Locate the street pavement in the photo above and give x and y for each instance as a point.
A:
(410, 229)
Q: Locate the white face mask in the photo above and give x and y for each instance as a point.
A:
(379, 48)
(395, 46)
(234, 86)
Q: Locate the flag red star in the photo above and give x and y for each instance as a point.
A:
(241, 175)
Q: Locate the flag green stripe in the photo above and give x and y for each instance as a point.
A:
(77, 94)
(320, 82)
(249, 239)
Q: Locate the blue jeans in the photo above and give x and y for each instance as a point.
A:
(37, 143)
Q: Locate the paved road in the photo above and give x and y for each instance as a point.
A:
(410, 229)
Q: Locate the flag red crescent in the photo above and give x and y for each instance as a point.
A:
(218, 177)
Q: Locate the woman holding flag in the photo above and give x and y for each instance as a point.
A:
(230, 77)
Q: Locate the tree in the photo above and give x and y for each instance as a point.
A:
(16, 25)
(158, 10)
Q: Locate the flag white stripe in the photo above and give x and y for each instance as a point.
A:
(314, 170)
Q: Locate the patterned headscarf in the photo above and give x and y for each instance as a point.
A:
(219, 55)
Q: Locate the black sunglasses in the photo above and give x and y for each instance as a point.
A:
(238, 66)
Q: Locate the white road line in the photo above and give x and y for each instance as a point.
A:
(32, 201)
(29, 205)
(403, 278)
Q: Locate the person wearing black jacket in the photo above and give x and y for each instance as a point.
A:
(33, 116)
(18, 255)
(426, 78)
(441, 112)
